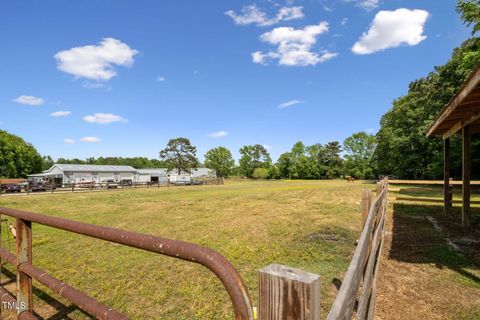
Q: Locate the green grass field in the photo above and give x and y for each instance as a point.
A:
(311, 225)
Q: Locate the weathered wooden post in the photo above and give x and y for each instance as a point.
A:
(466, 170)
(446, 177)
(365, 204)
(24, 255)
(288, 294)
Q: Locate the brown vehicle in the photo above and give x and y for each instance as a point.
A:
(11, 187)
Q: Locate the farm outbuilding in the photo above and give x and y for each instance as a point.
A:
(154, 175)
(60, 174)
(460, 115)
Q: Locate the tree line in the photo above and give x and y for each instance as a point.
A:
(301, 162)
(19, 158)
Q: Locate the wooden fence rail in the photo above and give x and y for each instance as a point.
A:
(288, 293)
(97, 186)
(359, 282)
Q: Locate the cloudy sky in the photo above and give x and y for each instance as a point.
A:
(120, 78)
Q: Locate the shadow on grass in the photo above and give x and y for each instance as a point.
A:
(62, 310)
(415, 240)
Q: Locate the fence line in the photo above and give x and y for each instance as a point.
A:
(102, 186)
(364, 264)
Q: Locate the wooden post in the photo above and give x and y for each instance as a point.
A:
(466, 176)
(365, 204)
(379, 188)
(287, 293)
(24, 255)
(447, 204)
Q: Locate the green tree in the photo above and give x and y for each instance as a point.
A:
(403, 148)
(179, 154)
(253, 157)
(220, 159)
(470, 13)
(359, 149)
(331, 160)
(283, 165)
(47, 162)
(17, 157)
(260, 173)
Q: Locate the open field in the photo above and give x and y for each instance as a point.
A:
(311, 225)
(421, 276)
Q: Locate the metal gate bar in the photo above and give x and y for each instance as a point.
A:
(207, 257)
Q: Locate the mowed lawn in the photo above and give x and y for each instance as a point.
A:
(311, 225)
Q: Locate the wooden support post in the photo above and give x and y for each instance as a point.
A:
(287, 293)
(365, 204)
(24, 255)
(466, 176)
(447, 201)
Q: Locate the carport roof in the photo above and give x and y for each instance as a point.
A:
(92, 168)
(462, 110)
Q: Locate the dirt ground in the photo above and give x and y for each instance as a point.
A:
(421, 275)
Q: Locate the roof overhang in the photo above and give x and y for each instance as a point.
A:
(462, 110)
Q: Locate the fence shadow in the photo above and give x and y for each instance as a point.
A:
(415, 240)
(62, 311)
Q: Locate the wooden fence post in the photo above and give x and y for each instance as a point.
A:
(365, 204)
(288, 293)
(24, 255)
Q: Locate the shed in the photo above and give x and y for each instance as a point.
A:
(461, 114)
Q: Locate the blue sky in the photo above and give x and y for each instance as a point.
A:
(130, 75)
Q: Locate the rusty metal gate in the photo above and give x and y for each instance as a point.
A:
(26, 271)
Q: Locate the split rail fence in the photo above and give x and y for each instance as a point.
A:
(102, 186)
(284, 292)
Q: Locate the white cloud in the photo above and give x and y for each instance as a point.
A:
(89, 139)
(253, 15)
(368, 4)
(68, 141)
(104, 118)
(218, 134)
(161, 79)
(60, 113)
(268, 147)
(391, 29)
(29, 100)
(365, 4)
(344, 22)
(289, 103)
(294, 46)
(96, 62)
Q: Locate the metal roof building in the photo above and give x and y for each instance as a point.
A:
(77, 173)
(60, 174)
